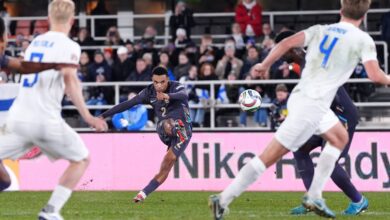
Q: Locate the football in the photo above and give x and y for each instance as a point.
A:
(250, 100)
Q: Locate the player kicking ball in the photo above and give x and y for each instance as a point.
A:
(35, 116)
(333, 51)
(170, 103)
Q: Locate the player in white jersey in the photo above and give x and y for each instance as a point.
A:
(332, 53)
(35, 117)
(22, 67)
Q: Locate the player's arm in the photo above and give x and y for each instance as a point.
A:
(26, 67)
(74, 91)
(138, 99)
(375, 73)
(296, 40)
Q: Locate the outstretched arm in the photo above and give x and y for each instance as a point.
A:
(123, 106)
(26, 67)
(375, 73)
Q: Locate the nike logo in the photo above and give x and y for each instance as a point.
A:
(153, 101)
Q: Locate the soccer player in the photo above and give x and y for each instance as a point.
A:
(333, 52)
(35, 116)
(347, 113)
(22, 67)
(170, 103)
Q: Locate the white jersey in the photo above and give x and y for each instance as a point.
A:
(40, 95)
(333, 51)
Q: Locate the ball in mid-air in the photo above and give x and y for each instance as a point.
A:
(250, 100)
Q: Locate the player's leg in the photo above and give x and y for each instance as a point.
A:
(336, 136)
(342, 180)
(62, 142)
(293, 133)
(5, 180)
(305, 167)
(174, 134)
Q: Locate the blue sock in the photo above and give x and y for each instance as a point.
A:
(305, 167)
(153, 184)
(342, 180)
(4, 185)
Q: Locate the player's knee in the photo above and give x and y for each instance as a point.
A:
(168, 126)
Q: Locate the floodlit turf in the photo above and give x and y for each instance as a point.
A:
(178, 205)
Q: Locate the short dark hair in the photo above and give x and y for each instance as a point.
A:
(282, 35)
(160, 70)
(281, 88)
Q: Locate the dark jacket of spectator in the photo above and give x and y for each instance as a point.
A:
(385, 24)
(182, 18)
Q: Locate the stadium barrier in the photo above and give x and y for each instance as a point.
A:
(213, 105)
(211, 161)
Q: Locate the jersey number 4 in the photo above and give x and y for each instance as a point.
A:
(327, 51)
(32, 79)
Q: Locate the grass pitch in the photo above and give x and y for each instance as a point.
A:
(179, 205)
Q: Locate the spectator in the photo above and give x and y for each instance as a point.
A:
(268, 33)
(24, 45)
(99, 71)
(133, 119)
(251, 59)
(279, 106)
(113, 37)
(84, 39)
(183, 67)
(182, 18)
(108, 57)
(207, 72)
(248, 15)
(148, 60)
(164, 61)
(122, 66)
(141, 72)
(181, 38)
(207, 52)
(238, 36)
(197, 114)
(150, 34)
(192, 53)
(131, 54)
(229, 64)
(84, 66)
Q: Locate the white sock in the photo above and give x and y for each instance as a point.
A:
(59, 197)
(247, 175)
(324, 169)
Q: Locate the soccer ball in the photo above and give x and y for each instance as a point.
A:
(250, 100)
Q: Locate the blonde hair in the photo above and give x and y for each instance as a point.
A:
(355, 9)
(61, 11)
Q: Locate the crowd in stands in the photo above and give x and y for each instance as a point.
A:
(250, 42)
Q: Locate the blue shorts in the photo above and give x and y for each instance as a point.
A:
(317, 141)
(174, 142)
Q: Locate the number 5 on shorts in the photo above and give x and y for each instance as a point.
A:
(327, 51)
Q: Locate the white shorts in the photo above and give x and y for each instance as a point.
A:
(56, 140)
(305, 118)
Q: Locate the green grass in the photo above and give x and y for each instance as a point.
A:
(179, 205)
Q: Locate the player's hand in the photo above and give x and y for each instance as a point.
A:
(260, 70)
(59, 66)
(162, 96)
(98, 123)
